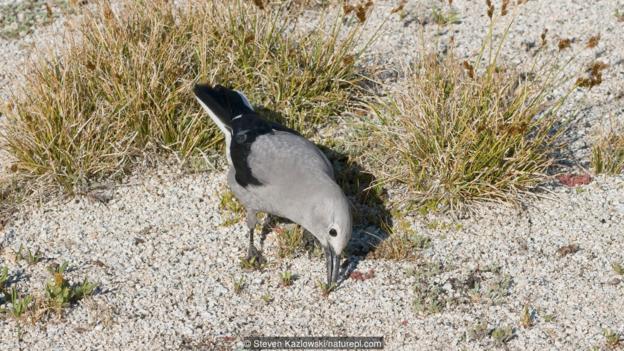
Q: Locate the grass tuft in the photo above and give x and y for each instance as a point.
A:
(231, 209)
(287, 278)
(502, 335)
(478, 331)
(460, 132)
(527, 317)
(612, 338)
(608, 153)
(29, 256)
(123, 88)
(267, 298)
(290, 240)
(19, 305)
(239, 285)
(403, 243)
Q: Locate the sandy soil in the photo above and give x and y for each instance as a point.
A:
(167, 267)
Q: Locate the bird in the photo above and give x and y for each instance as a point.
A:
(273, 169)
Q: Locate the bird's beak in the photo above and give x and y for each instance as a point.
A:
(333, 265)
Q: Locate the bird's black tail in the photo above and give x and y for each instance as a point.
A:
(222, 104)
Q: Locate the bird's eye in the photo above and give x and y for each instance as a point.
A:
(333, 232)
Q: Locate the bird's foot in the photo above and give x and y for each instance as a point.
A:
(253, 260)
(252, 253)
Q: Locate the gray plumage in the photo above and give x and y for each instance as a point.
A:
(275, 170)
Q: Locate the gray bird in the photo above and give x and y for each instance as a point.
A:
(273, 169)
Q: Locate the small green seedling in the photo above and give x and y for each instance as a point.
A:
(499, 288)
(502, 335)
(231, 209)
(33, 258)
(549, 318)
(267, 298)
(30, 257)
(617, 268)
(428, 299)
(326, 289)
(526, 317)
(287, 278)
(18, 305)
(478, 331)
(239, 285)
(612, 338)
(60, 293)
(19, 255)
(86, 288)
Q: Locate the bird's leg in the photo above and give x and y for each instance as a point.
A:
(265, 230)
(252, 220)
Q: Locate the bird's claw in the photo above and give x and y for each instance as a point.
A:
(253, 254)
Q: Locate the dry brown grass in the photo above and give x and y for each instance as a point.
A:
(459, 132)
(608, 153)
(403, 243)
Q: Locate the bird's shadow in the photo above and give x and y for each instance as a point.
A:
(11, 281)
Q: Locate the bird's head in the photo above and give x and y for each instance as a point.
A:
(331, 224)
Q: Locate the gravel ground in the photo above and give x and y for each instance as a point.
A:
(167, 267)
